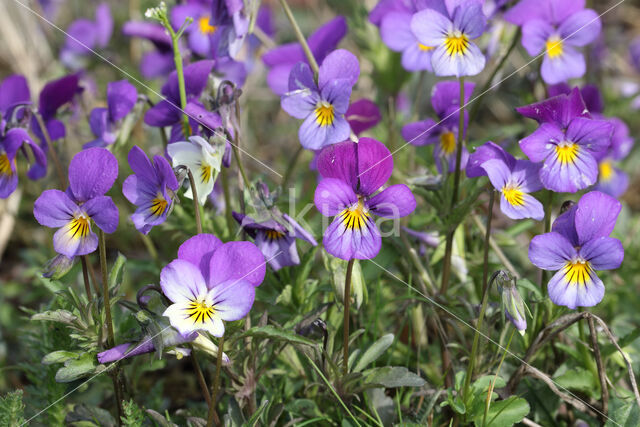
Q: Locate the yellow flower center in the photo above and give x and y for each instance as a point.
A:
(578, 272)
(456, 44)
(606, 170)
(567, 152)
(5, 165)
(356, 217)
(448, 143)
(513, 194)
(205, 26)
(274, 235)
(205, 173)
(158, 205)
(554, 47)
(79, 227)
(324, 113)
(199, 311)
(425, 47)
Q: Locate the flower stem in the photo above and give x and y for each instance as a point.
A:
(85, 276)
(602, 374)
(345, 325)
(547, 228)
(196, 202)
(216, 385)
(109, 321)
(485, 298)
(199, 376)
(177, 58)
(446, 266)
(307, 51)
(493, 383)
(224, 176)
(52, 149)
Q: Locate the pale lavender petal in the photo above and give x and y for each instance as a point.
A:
(468, 17)
(498, 172)
(604, 253)
(569, 65)
(420, 133)
(527, 175)
(581, 28)
(339, 64)
(574, 294)
(333, 195)
(530, 208)
(181, 281)
(302, 95)
(571, 176)
(550, 251)
(198, 250)
(395, 31)
(348, 243)
(232, 300)
(535, 34)
(468, 64)
(540, 143)
(430, 27)
(396, 201)
(65, 242)
(594, 135)
(337, 92)
(417, 58)
(237, 261)
(487, 151)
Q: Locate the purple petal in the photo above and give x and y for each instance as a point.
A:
(498, 172)
(54, 208)
(164, 113)
(152, 31)
(333, 195)
(395, 31)
(339, 161)
(198, 250)
(195, 77)
(13, 91)
(362, 115)
(121, 98)
(278, 78)
(237, 261)
(280, 251)
(594, 135)
(569, 177)
(337, 92)
(299, 231)
(445, 97)
(604, 253)
(103, 212)
(535, 34)
(420, 133)
(468, 64)
(615, 184)
(581, 28)
(233, 299)
(181, 281)
(347, 242)
(396, 201)
(92, 172)
(104, 24)
(550, 10)
(339, 64)
(57, 93)
(326, 38)
(569, 65)
(289, 53)
(417, 58)
(302, 96)
(529, 208)
(156, 64)
(141, 165)
(375, 165)
(586, 292)
(560, 109)
(550, 251)
(596, 216)
(467, 17)
(209, 120)
(430, 27)
(540, 143)
(67, 243)
(487, 151)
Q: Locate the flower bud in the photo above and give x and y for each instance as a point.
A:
(514, 307)
(57, 267)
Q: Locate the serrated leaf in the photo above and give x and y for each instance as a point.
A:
(374, 352)
(59, 356)
(505, 413)
(278, 334)
(393, 376)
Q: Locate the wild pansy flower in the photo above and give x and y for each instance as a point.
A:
(200, 34)
(54, 95)
(445, 99)
(167, 112)
(514, 180)
(396, 33)
(84, 35)
(556, 28)
(567, 142)
(276, 239)
(362, 115)
(281, 60)
(121, 98)
(14, 96)
(322, 105)
(158, 62)
(577, 247)
(92, 172)
(449, 30)
(202, 159)
(211, 282)
(151, 189)
(351, 174)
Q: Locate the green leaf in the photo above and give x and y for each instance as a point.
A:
(77, 368)
(505, 413)
(59, 356)
(482, 383)
(530, 286)
(578, 379)
(374, 352)
(277, 334)
(12, 409)
(132, 414)
(393, 376)
(256, 416)
(115, 276)
(62, 316)
(623, 413)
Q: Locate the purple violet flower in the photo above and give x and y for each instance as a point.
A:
(151, 189)
(322, 105)
(84, 35)
(158, 62)
(445, 100)
(362, 115)
(167, 112)
(449, 31)
(351, 174)
(396, 33)
(211, 282)
(276, 239)
(514, 179)
(92, 172)
(568, 142)
(54, 95)
(557, 33)
(578, 246)
(121, 98)
(281, 60)
(202, 36)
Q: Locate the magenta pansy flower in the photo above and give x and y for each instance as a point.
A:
(352, 173)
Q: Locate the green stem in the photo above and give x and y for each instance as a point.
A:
(345, 324)
(493, 383)
(216, 385)
(85, 276)
(485, 298)
(446, 266)
(224, 176)
(307, 51)
(547, 228)
(478, 100)
(177, 58)
(196, 202)
(199, 376)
